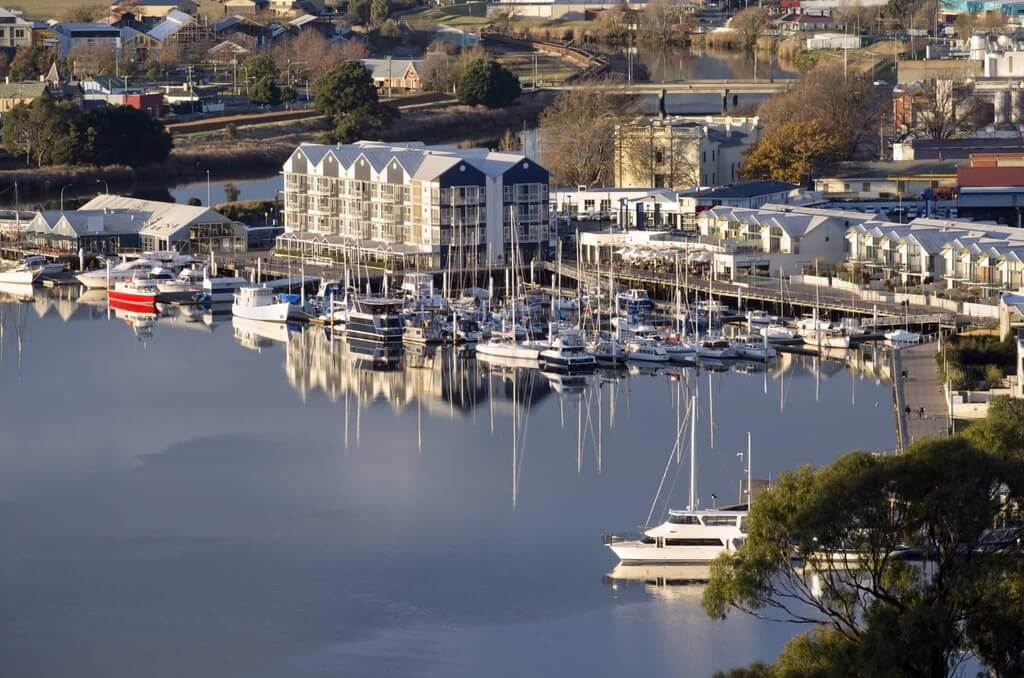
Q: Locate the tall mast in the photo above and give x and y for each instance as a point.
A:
(750, 488)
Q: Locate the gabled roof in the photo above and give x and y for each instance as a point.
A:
(162, 219)
(742, 189)
(174, 22)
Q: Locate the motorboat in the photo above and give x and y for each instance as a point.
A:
(715, 347)
(761, 318)
(221, 290)
(901, 338)
(505, 345)
(607, 350)
(679, 351)
(779, 334)
(422, 332)
(30, 270)
(831, 337)
(418, 289)
(567, 351)
(375, 319)
(685, 537)
(188, 280)
(646, 351)
(634, 303)
(141, 290)
(753, 347)
(101, 279)
(261, 303)
(468, 331)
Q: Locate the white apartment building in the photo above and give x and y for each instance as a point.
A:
(409, 205)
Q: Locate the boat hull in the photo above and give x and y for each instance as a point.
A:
(639, 552)
(561, 362)
(132, 298)
(274, 313)
(19, 277)
(508, 351)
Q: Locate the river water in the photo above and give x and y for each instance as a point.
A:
(188, 496)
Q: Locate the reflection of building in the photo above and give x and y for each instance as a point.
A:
(413, 206)
(435, 379)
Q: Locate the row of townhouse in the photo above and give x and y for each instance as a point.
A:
(775, 238)
(961, 253)
(414, 205)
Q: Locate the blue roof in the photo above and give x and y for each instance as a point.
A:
(744, 189)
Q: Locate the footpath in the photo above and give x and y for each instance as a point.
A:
(920, 400)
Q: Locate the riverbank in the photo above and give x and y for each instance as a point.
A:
(262, 149)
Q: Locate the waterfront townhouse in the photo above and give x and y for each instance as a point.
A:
(408, 205)
(958, 253)
(776, 238)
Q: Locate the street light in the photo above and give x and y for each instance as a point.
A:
(62, 197)
(106, 186)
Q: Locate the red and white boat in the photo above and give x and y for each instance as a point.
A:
(140, 291)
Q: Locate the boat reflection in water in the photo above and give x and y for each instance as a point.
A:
(257, 334)
(670, 582)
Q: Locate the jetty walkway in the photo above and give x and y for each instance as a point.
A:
(922, 388)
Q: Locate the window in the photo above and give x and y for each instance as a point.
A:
(683, 520)
(720, 520)
(694, 542)
(703, 156)
(658, 157)
(866, 186)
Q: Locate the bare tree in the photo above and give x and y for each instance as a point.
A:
(578, 134)
(749, 25)
(92, 59)
(442, 70)
(946, 108)
(665, 22)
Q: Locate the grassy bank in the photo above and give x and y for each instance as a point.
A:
(976, 360)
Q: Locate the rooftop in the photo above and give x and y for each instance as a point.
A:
(743, 189)
(897, 168)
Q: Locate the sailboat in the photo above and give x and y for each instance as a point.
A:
(688, 536)
(505, 345)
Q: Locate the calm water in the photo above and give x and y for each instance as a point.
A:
(187, 497)
(677, 64)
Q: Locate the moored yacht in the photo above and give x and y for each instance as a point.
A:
(901, 338)
(101, 278)
(715, 347)
(753, 347)
(567, 351)
(140, 290)
(30, 270)
(686, 537)
(607, 349)
(646, 351)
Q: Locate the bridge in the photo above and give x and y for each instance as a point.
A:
(760, 86)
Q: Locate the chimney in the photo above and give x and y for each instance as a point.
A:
(661, 104)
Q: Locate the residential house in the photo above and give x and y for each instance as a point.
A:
(152, 11)
(14, 30)
(71, 35)
(774, 238)
(242, 31)
(408, 205)
(113, 91)
(228, 52)
(248, 8)
(395, 76)
(183, 29)
(316, 7)
(52, 85)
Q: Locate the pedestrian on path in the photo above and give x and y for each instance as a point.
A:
(908, 410)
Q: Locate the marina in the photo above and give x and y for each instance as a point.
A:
(363, 493)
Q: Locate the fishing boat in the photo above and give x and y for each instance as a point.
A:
(646, 351)
(140, 290)
(567, 352)
(29, 270)
(260, 303)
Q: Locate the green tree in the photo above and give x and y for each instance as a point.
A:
(823, 549)
(488, 83)
(265, 91)
(31, 62)
(790, 152)
(347, 97)
(380, 10)
(122, 135)
(45, 132)
(258, 67)
(359, 11)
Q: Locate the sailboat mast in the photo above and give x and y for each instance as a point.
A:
(750, 490)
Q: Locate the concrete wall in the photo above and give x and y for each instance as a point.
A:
(931, 69)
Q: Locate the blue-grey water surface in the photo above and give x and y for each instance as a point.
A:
(194, 498)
